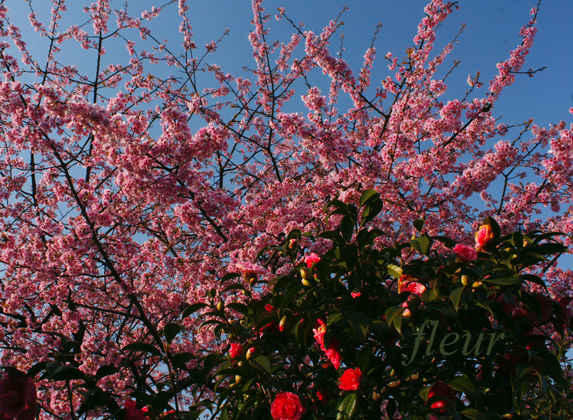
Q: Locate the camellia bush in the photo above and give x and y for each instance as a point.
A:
(425, 329)
(129, 188)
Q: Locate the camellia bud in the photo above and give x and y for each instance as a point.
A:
(282, 323)
(238, 379)
(252, 280)
(220, 306)
(477, 284)
(250, 353)
(465, 280)
(212, 293)
(304, 275)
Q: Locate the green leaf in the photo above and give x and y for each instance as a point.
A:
(391, 408)
(170, 331)
(371, 211)
(366, 237)
(534, 279)
(551, 248)
(335, 203)
(290, 294)
(347, 407)
(367, 196)
(236, 286)
(347, 228)
(473, 414)
(230, 276)
(502, 281)
(421, 244)
(332, 318)
(418, 224)
(394, 270)
(359, 322)
(517, 240)
(66, 373)
(37, 368)
(143, 347)
(239, 307)
(455, 297)
(261, 363)
(398, 320)
(191, 309)
(463, 384)
(333, 236)
(93, 399)
(280, 281)
(104, 371)
(180, 359)
(449, 243)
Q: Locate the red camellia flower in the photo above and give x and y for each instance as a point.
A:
(350, 379)
(465, 253)
(17, 397)
(311, 259)
(236, 350)
(287, 406)
(445, 394)
(415, 287)
(483, 236)
(133, 413)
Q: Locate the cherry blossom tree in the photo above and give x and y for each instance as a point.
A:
(131, 188)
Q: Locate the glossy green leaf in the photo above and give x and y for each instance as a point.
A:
(372, 210)
(394, 270)
(463, 384)
(347, 228)
(347, 407)
(142, 347)
(191, 309)
(261, 363)
(502, 281)
(418, 224)
(170, 331)
(455, 297)
(180, 359)
(360, 323)
(230, 276)
(367, 196)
